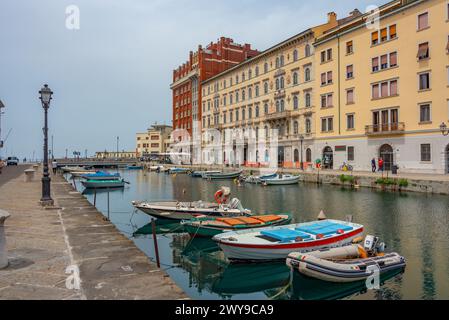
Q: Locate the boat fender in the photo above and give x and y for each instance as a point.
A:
(320, 236)
(299, 239)
(340, 231)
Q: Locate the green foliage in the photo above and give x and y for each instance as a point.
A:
(403, 183)
(386, 181)
(346, 178)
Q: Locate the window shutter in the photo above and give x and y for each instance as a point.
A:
(375, 37)
(383, 34)
(384, 59)
(329, 76)
(393, 87)
(423, 21)
(393, 59)
(393, 31)
(375, 91)
(375, 62)
(384, 89)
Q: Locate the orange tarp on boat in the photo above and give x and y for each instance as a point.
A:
(230, 221)
(249, 220)
(266, 219)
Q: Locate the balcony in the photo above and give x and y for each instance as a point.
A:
(385, 129)
(278, 115)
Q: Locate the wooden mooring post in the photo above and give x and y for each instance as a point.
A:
(108, 207)
(95, 197)
(156, 249)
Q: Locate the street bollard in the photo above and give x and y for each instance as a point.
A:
(29, 175)
(3, 252)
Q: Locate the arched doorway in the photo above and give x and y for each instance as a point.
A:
(328, 158)
(446, 155)
(386, 153)
(296, 156)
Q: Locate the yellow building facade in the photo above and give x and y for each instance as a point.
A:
(155, 141)
(388, 90)
(348, 91)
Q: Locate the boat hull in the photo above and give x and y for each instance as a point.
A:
(173, 213)
(103, 184)
(250, 246)
(275, 181)
(222, 176)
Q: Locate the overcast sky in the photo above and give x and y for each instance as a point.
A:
(111, 77)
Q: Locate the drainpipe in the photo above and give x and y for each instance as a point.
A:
(339, 95)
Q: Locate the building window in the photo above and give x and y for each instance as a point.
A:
(257, 91)
(308, 100)
(308, 126)
(423, 21)
(265, 108)
(282, 82)
(250, 74)
(236, 96)
(265, 67)
(295, 55)
(307, 50)
(349, 96)
(424, 113)
(295, 78)
(282, 61)
(425, 152)
(277, 84)
(349, 47)
(349, 71)
(231, 115)
(237, 115)
(385, 89)
(257, 71)
(350, 121)
(295, 102)
(257, 111)
(250, 93)
(329, 54)
(424, 81)
(224, 117)
(383, 35)
(295, 127)
(327, 124)
(326, 100)
(423, 51)
(326, 78)
(351, 153)
(307, 74)
(265, 88)
(277, 62)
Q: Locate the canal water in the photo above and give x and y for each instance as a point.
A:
(414, 225)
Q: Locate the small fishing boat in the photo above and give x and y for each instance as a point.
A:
(259, 179)
(222, 175)
(177, 210)
(134, 167)
(282, 179)
(346, 264)
(273, 243)
(178, 170)
(211, 226)
(156, 168)
(199, 174)
(102, 184)
(101, 175)
(72, 169)
(77, 174)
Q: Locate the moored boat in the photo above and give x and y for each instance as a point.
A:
(282, 179)
(72, 169)
(259, 179)
(222, 175)
(199, 174)
(178, 170)
(274, 243)
(101, 175)
(346, 264)
(211, 226)
(134, 167)
(99, 184)
(77, 174)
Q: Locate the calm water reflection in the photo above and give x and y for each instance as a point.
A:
(415, 225)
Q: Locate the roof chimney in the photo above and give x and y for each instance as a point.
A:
(331, 17)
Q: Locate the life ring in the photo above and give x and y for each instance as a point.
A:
(220, 197)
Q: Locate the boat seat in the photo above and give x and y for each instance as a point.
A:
(324, 229)
(285, 235)
(269, 218)
(249, 220)
(231, 221)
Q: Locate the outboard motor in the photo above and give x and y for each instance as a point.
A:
(370, 244)
(235, 204)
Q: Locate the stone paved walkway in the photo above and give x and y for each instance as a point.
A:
(43, 243)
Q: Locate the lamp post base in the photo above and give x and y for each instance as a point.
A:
(47, 203)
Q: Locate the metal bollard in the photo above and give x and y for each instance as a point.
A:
(3, 252)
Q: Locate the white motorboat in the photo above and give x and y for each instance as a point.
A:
(281, 179)
(274, 243)
(184, 210)
(259, 179)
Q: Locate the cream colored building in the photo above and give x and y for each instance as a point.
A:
(353, 90)
(155, 141)
(115, 155)
(276, 89)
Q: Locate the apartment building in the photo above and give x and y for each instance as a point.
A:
(155, 141)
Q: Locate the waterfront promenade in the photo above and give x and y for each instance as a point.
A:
(44, 244)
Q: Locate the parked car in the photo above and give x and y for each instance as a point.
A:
(12, 161)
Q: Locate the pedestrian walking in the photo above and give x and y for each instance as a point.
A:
(54, 165)
(381, 164)
(373, 165)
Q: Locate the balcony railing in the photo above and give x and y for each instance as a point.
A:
(386, 128)
(278, 115)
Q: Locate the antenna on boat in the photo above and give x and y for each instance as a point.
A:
(321, 216)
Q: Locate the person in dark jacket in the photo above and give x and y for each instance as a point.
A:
(373, 165)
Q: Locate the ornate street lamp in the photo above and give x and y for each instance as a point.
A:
(301, 138)
(45, 98)
(444, 130)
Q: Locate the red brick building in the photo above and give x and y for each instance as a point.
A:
(202, 65)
